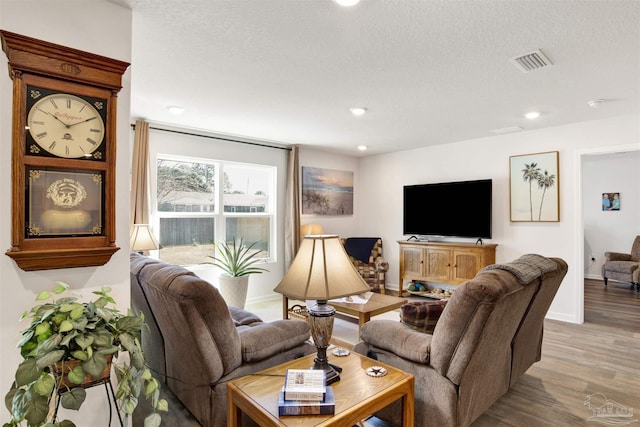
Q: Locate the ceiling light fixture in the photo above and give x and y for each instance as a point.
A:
(362, 147)
(358, 111)
(532, 115)
(347, 3)
(176, 110)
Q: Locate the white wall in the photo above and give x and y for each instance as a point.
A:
(379, 201)
(609, 230)
(74, 25)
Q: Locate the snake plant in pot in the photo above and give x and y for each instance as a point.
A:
(237, 262)
(68, 346)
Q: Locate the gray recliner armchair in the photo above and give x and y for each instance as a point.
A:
(488, 334)
(622, 266)
(197, 343)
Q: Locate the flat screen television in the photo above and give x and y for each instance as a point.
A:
(451, 209)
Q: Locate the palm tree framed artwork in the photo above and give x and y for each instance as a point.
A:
(535, 187)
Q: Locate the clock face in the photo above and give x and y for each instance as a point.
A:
(65, 125)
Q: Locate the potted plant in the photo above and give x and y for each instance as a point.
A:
(237, 262)
(69, 343)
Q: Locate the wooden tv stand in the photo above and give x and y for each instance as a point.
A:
(442, 262)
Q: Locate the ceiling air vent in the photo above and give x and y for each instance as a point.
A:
(531, 61)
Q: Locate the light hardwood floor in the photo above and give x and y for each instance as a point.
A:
(615, 305)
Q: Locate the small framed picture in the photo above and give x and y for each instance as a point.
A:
(610, 201)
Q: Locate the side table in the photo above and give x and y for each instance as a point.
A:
(357, 394)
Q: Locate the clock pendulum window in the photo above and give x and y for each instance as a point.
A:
(63, 154)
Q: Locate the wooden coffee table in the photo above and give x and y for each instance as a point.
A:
(357, 395)
(377, 304)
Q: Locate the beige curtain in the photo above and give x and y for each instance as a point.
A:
(292, 209)
(140, 175)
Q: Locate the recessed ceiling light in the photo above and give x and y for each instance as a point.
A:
(362, 147)
(532, 115)
(358, 111)
(347, 3)
(174, 109)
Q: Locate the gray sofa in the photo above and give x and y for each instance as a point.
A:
(489, 333)
(196, 343)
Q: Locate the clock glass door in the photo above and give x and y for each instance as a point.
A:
(63, 203)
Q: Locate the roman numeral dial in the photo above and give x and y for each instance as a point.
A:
(66, 125)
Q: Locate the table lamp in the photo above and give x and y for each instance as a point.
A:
(307, 229)
(322, 271)
(142, 239)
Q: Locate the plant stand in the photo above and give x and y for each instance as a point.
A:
(62, 372)
(110, 395)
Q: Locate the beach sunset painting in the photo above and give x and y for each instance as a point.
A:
(326, 191)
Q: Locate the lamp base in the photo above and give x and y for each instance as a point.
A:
(331, 371)
(321, 317)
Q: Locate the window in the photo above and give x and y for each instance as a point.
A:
(188, 207)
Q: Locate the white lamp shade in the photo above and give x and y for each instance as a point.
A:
(142, 238)
(321, 270)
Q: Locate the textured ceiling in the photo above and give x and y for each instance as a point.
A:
(430, 72)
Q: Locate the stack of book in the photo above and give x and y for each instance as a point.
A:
(305, 393)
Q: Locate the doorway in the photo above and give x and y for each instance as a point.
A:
(600, 171)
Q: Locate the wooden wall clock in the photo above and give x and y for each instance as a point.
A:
(63, 154)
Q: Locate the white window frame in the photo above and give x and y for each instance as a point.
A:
(218, 215)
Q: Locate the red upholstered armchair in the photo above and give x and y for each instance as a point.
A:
(366, 255)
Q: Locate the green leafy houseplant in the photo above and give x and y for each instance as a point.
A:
(64, 330)
(235, 259)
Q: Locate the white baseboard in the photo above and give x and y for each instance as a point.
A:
(264, 298)
(392, 286)
(562, 317)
